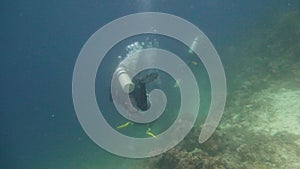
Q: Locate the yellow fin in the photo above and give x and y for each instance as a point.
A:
(124, 125)
(148, 132)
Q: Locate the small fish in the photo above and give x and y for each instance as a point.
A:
(125, 125)
(148, 132)
(194, 63)
(176, 84)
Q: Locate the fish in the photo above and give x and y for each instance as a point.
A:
(194, 63)
(176, 84)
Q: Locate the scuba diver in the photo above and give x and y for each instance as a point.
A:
(136, 87)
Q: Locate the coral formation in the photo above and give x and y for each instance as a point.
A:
(261, 123)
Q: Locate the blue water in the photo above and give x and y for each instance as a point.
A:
(40, 42)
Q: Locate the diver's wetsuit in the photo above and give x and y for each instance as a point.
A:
(138, 96)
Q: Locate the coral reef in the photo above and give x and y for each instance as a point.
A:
(261, 124)
(247, 139)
